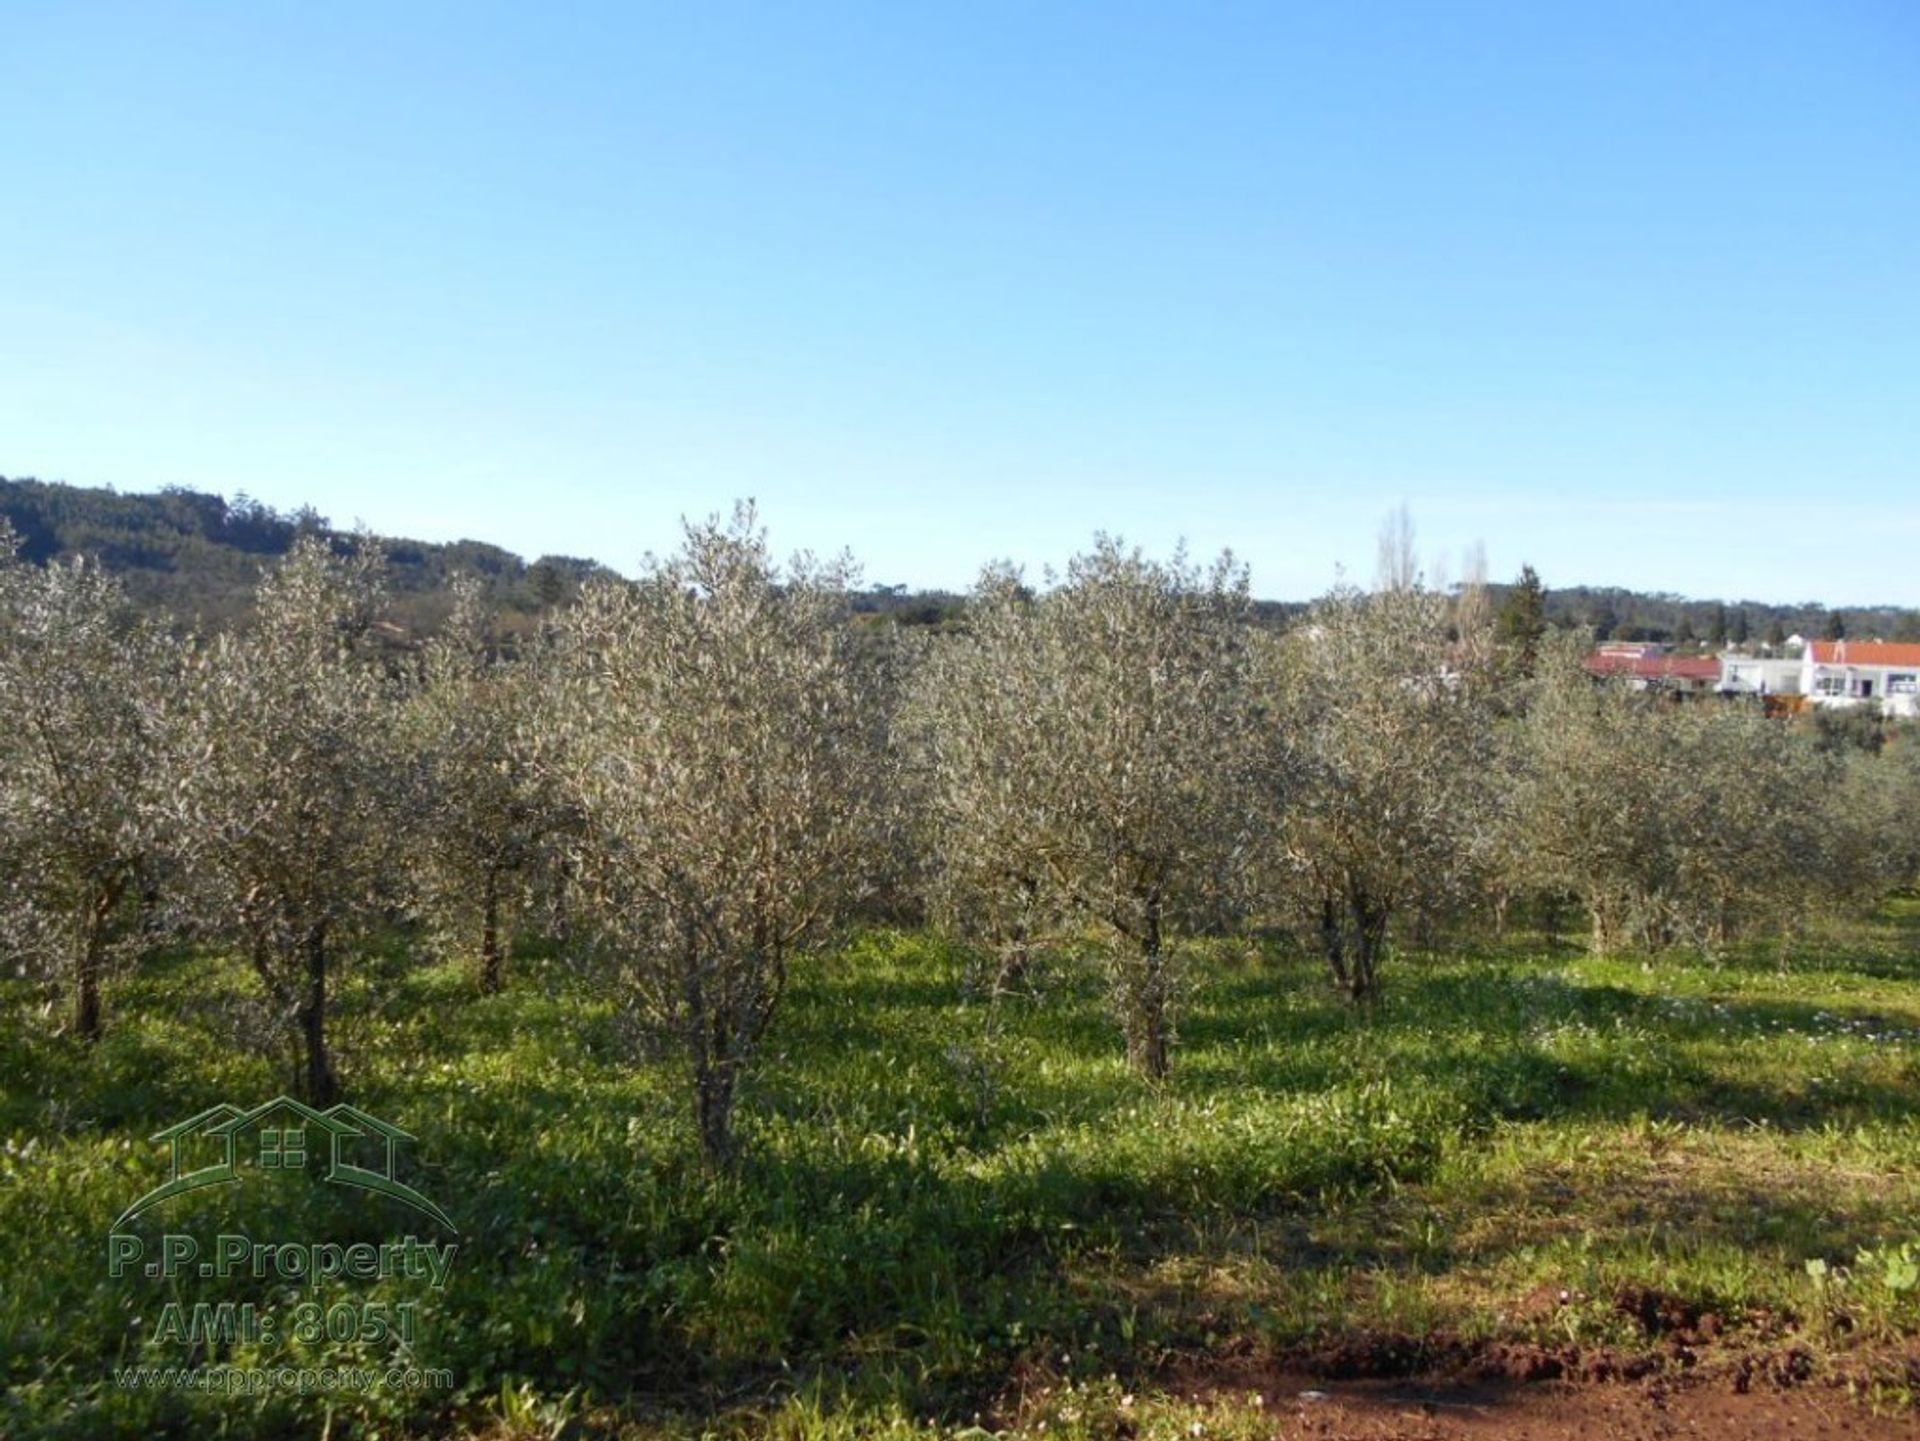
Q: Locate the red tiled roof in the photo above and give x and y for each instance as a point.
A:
(1657, 667)
(1630, 648)
(1864, 652)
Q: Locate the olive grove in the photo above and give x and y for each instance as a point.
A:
(721, 762)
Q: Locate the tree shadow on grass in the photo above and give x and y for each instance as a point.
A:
(1535, 1046)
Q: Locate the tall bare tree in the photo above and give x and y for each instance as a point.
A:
(727, 745)
(80, 679)
(1397, 560)
(1091, 754)
(284, 773)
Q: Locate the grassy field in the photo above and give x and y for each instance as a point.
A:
(944, 1201)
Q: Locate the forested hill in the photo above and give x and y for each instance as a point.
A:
(197, 557)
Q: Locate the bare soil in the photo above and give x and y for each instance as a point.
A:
(1402, 1388)
(1550, 1411)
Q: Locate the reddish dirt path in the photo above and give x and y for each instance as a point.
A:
(1562, 1411)
(1385, 1388)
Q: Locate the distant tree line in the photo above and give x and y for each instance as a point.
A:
(685, 781)
(195, 558)
(1626, 615)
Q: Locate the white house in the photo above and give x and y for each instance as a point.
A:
(1856, 672)
(1760, 675)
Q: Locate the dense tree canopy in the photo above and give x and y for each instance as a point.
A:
(1384, 740)
(1091, 754)
(283, 774)
(726, 745)
(81, 680)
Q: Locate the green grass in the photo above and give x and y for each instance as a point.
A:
(938, 1195)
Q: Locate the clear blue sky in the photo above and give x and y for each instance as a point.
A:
(1629, 291)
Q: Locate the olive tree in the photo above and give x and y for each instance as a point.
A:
(1089, 755)
(485, 820)
(80, 678)
(1755, 842)
(1584, 809)
(1889, 785)
(726, 744)
(284, 775)
(1382, 755)
(1674, 821)
(969, 780)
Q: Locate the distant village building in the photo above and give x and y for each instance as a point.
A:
(1759, 675)
(1827, 673)
(1860, 672)
(1653, 667)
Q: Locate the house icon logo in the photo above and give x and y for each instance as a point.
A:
(352, 1147)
